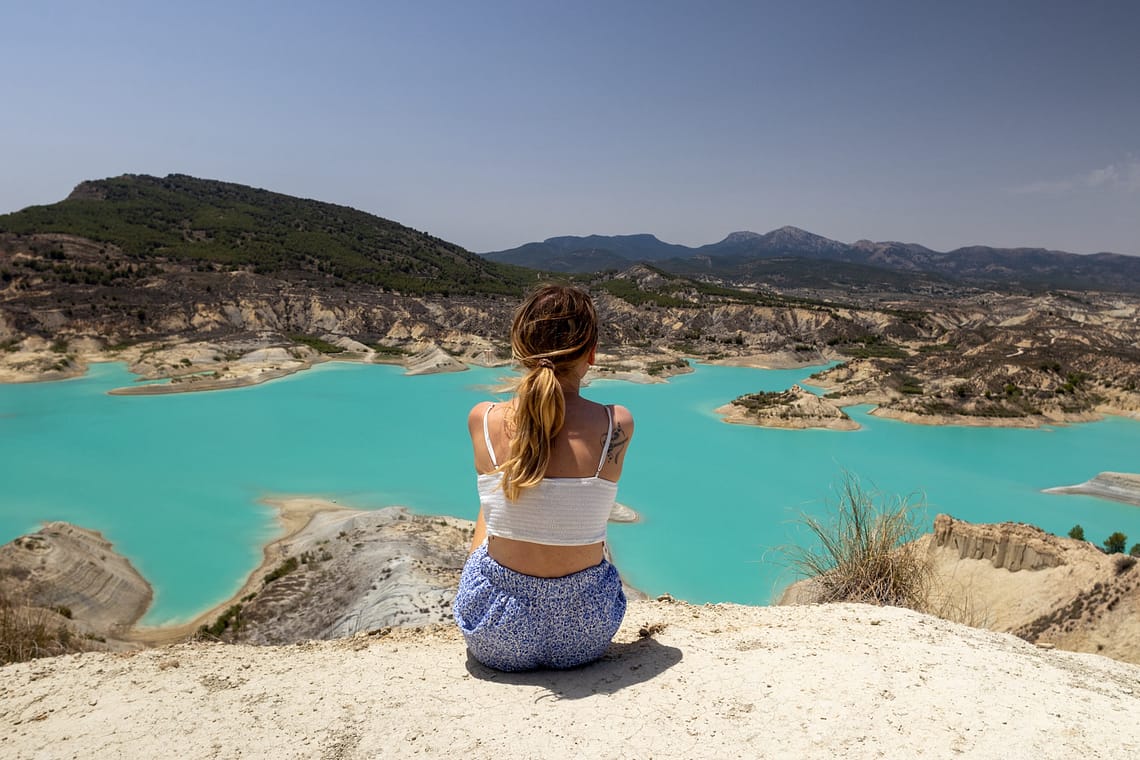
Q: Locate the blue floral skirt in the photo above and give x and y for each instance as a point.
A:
(513, 621)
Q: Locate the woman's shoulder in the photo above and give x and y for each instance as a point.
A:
(618, 416)
(481, 408)
(621, 415)
(475, 416)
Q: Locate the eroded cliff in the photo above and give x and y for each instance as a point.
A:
(67, 568)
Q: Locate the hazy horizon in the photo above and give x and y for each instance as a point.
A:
(493, 125)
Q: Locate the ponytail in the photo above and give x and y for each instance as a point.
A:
(540, 411)
(554, 328)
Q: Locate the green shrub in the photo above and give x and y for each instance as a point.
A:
(1077, 532)
(656, 368)
(632, 294)
(389, 350)
(1115, 543)
(230, 619)
(763, 399)
(281, 570)
(315, 343)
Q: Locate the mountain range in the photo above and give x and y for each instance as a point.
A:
(744, 257)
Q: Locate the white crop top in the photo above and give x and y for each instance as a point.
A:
(556, 511)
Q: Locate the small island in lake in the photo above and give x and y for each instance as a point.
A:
(794, 408)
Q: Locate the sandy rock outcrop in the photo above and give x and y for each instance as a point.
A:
(1010, 573)
(355, 571)
(33, 358)
(205, 365)
(635, 366)
(431, 359)
(1017, 578)
(348, 344)
(1103, 618)
(1044, 588)
(1006, 575)
(1012, 546)
(64, 566)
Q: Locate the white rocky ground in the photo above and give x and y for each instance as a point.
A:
(837, 681)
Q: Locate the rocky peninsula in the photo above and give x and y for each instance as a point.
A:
(1118, 486)
(333, 572)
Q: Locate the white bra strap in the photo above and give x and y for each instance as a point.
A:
(606, 445)
(487, 437)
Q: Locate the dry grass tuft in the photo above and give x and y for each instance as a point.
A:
(28, 632)
(867, 552)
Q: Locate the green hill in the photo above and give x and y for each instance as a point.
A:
(220, 224)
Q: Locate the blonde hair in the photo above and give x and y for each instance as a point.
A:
(553, 328)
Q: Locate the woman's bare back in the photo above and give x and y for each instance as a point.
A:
(575, 452)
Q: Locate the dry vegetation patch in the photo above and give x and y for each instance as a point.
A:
(28, 631)
(866, 552)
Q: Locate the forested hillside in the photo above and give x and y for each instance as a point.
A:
(221, 225)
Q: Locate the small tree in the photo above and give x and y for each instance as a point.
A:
(1077, 532)
(1114, 544)
(1135, 550)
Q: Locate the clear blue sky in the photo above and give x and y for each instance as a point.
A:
(492, 124)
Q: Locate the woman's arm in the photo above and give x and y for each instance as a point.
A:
(619, 443)
(623, 432)
(480, 534)
(482, 464)
(475, 430)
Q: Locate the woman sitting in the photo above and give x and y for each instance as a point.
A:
(536, 590)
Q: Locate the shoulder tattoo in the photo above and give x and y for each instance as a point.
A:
(617, 444)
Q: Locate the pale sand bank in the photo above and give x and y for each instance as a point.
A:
(620, 513)
(719, 681)
(774, 360)
(1118, 486)
(966, 420)
(194, 383)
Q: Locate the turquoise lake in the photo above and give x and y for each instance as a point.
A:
(174, 480)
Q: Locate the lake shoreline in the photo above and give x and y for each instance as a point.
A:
(297, 516)
(268, 364)
(360, 435)
(294, 514)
